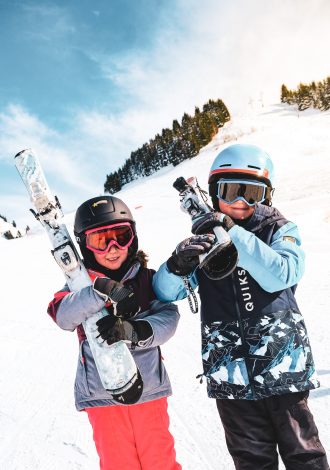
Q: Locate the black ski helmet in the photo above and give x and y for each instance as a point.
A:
(97, 212)
(101, 210)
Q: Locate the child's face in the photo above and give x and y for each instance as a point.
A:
(113, 259)
(238, 210)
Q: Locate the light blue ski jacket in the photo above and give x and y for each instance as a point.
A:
(254, 339)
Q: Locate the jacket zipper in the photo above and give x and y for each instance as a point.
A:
(244, 344)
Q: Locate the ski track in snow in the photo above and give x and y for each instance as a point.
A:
(39, 426)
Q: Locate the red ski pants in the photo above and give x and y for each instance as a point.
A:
(134, 437)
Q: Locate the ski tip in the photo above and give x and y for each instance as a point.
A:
(22, 151)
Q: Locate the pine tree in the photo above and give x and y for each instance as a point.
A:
(112, 184)
(324, 94)
(176, 128)
(284, 94)
(314, 95)
(222, 113)
(304, 97)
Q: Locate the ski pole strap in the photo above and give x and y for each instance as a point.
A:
(200, 377)
(191, 296)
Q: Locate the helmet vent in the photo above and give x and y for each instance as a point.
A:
(225, 164)
(256, 167)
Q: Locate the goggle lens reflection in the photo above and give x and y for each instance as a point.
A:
(100, 240)
(230, 191)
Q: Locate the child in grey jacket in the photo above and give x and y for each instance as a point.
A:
(133, 436)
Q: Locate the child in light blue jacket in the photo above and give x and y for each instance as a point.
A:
(256, 353)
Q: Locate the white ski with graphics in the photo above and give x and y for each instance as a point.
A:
(115, 364)
(221, 259)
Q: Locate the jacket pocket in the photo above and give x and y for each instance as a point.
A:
(151, 367)
(161, 366)
(81, 384)
(223, 354)
(93, 382)
(279, 350)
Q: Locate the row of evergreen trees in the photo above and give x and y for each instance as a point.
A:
(172, 146)
(314, 95)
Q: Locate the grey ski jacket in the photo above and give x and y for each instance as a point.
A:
(70, 309)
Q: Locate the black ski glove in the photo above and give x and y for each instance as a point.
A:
(207, 222)
(185, 258)
(122, 297)
(128, 331)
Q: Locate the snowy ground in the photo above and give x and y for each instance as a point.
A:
(39, 427)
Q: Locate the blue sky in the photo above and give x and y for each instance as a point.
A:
(52, 52)
(86, 82)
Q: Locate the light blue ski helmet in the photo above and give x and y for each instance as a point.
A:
(242, 161)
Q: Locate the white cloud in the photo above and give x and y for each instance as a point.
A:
(238, 51)
(54, 22)
(20, 130)
(234, 50)
(75, 162)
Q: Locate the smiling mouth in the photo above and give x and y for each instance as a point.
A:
(113, 259)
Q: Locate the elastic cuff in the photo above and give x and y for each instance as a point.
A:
(174, 268)
(101, 294)
(143, 329)
(228, 223)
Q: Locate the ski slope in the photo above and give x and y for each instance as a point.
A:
(39, 426)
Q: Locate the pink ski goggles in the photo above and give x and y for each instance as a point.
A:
(100, 239)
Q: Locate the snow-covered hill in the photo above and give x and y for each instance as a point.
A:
(39, 427)
(9, 231)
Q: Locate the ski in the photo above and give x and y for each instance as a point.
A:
(115, 364)
(221, 259)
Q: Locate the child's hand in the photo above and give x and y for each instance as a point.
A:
(111, 333)
(207, 222)
(185, 258)
(122, 298)
(128, 331)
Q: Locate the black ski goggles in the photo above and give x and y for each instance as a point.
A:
(230, 191)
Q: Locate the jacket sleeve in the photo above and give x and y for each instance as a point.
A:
(169, 287)
(70, 309)
(275, 267)
(163, 319)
